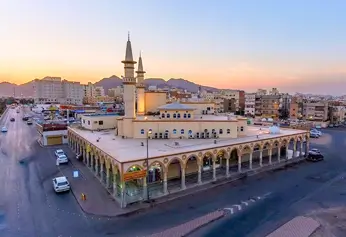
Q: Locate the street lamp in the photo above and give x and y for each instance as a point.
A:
(147, 164)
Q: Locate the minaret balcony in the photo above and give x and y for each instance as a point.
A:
(129, 80)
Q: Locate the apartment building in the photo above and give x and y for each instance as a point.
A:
(99, 91)
(250, 104)
(116, 92)
(315, 110)
(89, 90)
(92, 100)
(57, 91)
(337, 114)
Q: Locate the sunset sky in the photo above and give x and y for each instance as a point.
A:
(296, 45)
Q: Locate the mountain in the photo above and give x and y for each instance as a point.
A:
(180, 83)
(26, 89)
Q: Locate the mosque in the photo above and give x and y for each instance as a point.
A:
(139, 156)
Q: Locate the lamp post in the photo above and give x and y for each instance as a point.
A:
(147, 165)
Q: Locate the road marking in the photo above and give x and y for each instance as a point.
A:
(259, 198)
(245, 203)
(228, 209)
(238, 206)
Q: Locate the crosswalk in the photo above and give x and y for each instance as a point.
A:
(236, 208)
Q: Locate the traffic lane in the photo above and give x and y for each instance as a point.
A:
(179, 211)
(47, 220)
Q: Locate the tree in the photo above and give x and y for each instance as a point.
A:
(284, 114)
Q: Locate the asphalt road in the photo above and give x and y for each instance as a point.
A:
(29, 206)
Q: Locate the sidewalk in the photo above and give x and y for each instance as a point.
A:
(100, 202)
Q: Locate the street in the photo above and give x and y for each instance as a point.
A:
(30, 207)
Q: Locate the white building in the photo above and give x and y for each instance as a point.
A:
(55, 90)
(250, 104)
(99, 91)
(89, 90)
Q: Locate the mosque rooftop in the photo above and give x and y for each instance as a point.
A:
(127, 150)
(176, 106)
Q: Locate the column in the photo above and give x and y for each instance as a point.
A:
(279, 155)
(270, 156)
(239, 163)
(183, 185)
(88, 159)
(115, 191)
(294, 149)
(84, 156)
(261, 158)
(165, 188)
(250, 160)
(92, 161)
(286, 151)
(199, 174)
(145, 188)
(107, 177)
(301, 149)
(97, 161)
(123, 196)
(214, 170)
(227, 167)
(101, 172)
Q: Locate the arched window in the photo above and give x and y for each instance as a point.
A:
(174, 131)
(168, 115)
(184, 115)
(220, 131)
(189, 115)
(142, 131)
(174, 116)
(228, 131)
(162, 115)
(190, 132)
(182, 131)
(241, 128)
(178, 115)
(213, 131)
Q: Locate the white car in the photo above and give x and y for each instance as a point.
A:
(3, 129)
(62, 159)
(59, 152)
(314, 150)
(61, 184)
(316, 131)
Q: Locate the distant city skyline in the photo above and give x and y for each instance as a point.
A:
(296, 46)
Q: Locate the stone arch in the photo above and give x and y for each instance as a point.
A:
(284, 142)
(134, 167)
(156, 171)
(222, 151)
(234, 154)
(245, 147)
(192, 163)
(174, 173)
(266, 151)
(175, 159)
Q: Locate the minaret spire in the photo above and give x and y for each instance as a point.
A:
(140, 87)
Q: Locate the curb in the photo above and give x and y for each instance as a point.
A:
(222, 182)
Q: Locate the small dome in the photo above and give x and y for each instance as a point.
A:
(274, 130)
(264, 120)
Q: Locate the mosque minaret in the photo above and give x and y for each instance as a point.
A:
(140, 88)
(129, 82)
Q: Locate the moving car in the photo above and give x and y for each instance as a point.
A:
(25, 118)
(314, 150)
(29, 122)
(62, 159)
(3, 129)
(61, 184)
(314, 134)
(12, 120)
(316, 131)
(314, 156)
(59, 152)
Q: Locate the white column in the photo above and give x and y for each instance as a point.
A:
(115, 191)
(214, 170)
(270, 156)
(239, 163)
(286, 151)
(199, 174)
(92, 161)
(227, 167)
(261, 158)
(123, 194)
(250, 160)
(301, 149)
(107, 177)
(101, 172)
(165, 188)
(294, 150)
(183, 185)
(87, 158)
(97, 161)
(145, 189)
(279, 155)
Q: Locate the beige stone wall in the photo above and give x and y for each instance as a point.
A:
(174, 128)
(153, 100)
(93, 122)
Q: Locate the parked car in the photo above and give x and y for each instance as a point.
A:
(62, 159)
(315, 150)
(29, 122)
(59, 152)
(314, 156)
(12, 120)
(61, 184)
(3, 129)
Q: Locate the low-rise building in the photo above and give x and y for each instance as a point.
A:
(315, 110)
(250, 104)
(95, 122)
(53, 133)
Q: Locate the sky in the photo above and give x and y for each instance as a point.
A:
(296, 46)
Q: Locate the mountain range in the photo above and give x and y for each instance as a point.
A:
(26, 89)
